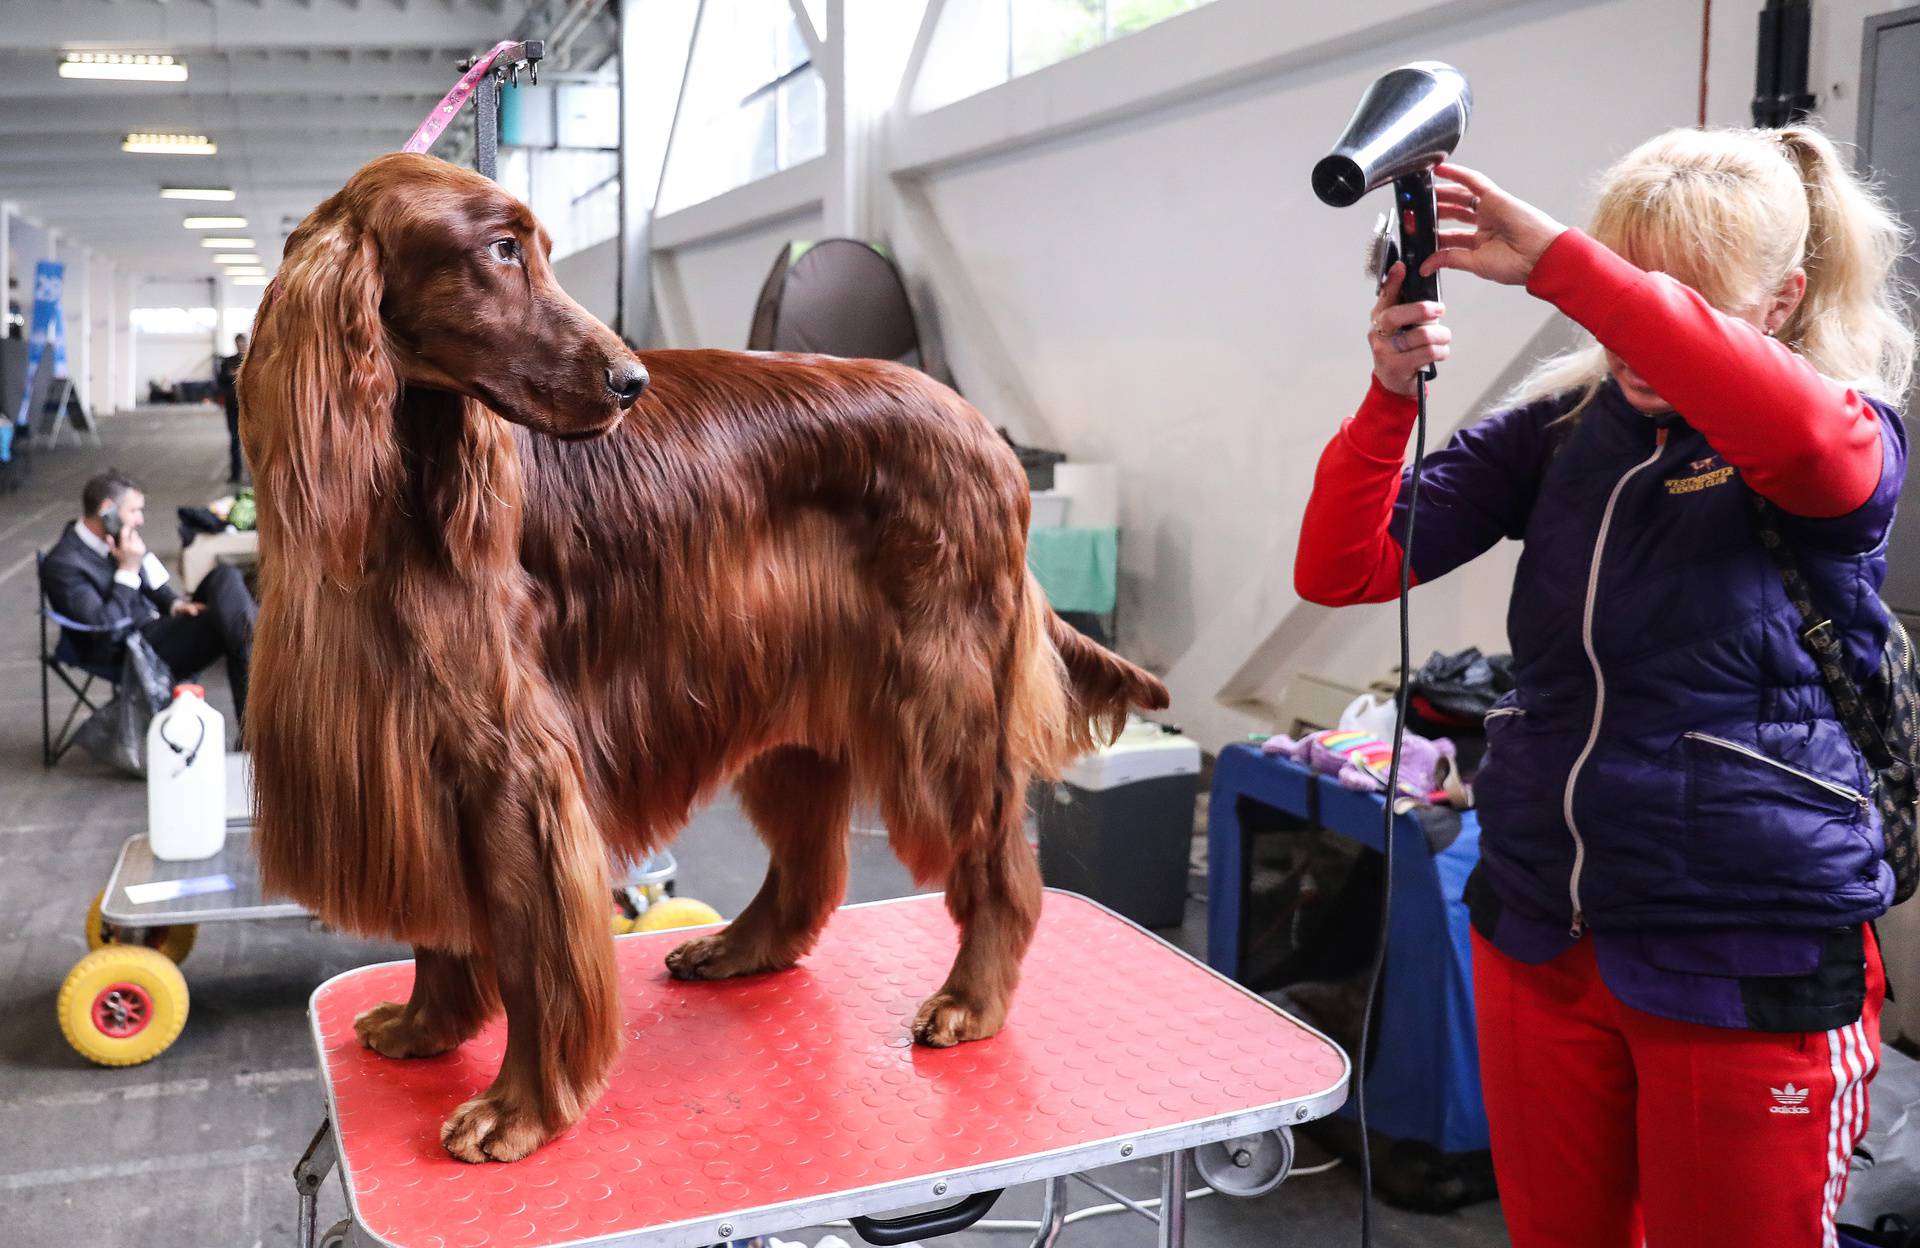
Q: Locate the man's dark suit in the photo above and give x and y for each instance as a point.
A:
(80, 585)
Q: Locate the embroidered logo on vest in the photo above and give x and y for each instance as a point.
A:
(1705, 477)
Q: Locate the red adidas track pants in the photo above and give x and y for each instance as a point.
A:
(1610, 1124)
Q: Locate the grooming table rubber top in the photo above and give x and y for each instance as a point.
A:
(767, 1103)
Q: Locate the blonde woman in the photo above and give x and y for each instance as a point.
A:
(1677, 990)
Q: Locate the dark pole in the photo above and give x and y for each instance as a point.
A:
(1780, 95)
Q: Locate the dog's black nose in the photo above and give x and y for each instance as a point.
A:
(626, 383)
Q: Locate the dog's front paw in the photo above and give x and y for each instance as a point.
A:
(718, 957)
(493, 1127)
(390, 1031)
(944, 1020)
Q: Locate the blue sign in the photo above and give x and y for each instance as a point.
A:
(48, 278)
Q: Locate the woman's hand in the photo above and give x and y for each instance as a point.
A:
(1509, 235)
(1404, 337)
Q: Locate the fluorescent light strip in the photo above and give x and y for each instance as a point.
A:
(236, 257)
(228, 244)
(162, 144)
(250, 281)
(215, 223)
(209, 194)
(123, 67)
(253, 271)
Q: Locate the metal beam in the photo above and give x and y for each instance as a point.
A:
(645, 147)
(325, 23)
(220, 118)
(412, 73)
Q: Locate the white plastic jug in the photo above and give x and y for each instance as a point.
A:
(187, 778)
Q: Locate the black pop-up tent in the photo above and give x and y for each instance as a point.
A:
(836, 297)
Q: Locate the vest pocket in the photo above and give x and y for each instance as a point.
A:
(1755, 820)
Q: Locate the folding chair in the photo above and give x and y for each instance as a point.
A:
(63, 661)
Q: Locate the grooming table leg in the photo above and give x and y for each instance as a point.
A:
(314, 1166)
(1053, 1213)
(1173, 1199)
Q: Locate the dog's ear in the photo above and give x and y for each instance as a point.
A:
(317, 397)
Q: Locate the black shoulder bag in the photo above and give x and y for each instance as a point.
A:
(1883, 720)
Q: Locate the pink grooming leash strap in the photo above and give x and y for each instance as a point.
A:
(451, 103)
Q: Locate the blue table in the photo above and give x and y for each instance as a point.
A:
(1424, 1081)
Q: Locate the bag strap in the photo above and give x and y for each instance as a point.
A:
(1822, 641)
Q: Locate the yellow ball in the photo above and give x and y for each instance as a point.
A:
(676, 912)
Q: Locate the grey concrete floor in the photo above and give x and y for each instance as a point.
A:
(195, 1149)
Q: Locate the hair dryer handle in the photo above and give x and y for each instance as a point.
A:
(1415, 211)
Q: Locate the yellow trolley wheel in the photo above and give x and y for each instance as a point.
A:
(175, 941)
(676, 912)
(122, 1005)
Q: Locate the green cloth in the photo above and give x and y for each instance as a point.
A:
(1079, 568)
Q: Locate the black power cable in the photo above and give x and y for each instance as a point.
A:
(1400, 700)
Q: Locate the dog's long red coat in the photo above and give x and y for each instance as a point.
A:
(486, 655)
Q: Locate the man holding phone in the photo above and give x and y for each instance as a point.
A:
(100, 572)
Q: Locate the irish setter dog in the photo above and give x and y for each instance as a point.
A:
(516, 613)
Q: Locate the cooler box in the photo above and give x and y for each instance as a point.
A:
(1119, 825)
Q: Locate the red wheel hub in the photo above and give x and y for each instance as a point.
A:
(122, 1010)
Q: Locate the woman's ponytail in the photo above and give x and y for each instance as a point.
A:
(1853, 324)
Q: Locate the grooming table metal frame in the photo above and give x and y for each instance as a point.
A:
(1119, 1048)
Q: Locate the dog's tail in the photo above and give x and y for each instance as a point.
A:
(1069, 694)
(1101, 685)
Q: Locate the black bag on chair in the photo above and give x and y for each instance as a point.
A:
(1883, 719)
(116, 734)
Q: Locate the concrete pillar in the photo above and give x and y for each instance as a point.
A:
(124, 379)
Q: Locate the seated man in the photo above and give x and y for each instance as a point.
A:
(99, 572)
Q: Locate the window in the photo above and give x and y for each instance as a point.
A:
(983, 43)
(575, 191)
(754, 102)
(190, 322)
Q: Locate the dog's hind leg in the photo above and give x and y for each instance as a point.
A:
(453, 995)
(993, 893)
(542, 871)
(801, 804)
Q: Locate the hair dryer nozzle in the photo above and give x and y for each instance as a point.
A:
(1410, 119)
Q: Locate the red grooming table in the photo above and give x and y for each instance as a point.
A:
(757, 1105)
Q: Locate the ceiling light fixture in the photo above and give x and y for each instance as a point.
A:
(228, 244)
(215, 223)
(237, 274)
(210, 194)
(162, 144)
(123, 66)
(236, 257)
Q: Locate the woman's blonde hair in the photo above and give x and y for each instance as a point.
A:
(1732, 213)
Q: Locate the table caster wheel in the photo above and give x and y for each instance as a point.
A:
(122, 1005)
(175, 941)
(335, 1236)
(676, 912)
(1250, 1165)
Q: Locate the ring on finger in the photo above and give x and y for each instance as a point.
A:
(1380, 329)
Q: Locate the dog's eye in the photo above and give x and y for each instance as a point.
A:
(505, 250)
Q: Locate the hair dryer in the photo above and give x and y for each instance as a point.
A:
(1409, 120)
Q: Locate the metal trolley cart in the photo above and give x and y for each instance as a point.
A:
(751, 1106)
(126, 1002)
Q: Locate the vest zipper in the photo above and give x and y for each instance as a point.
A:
(1853, 795)
(1599, 679)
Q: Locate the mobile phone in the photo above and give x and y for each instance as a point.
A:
(110, 518)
